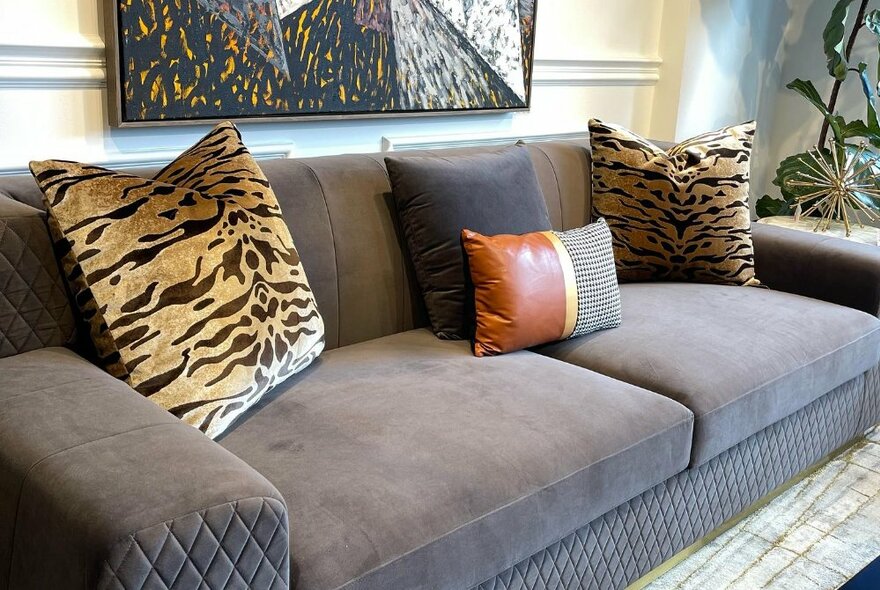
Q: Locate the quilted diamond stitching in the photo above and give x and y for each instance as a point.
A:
(625, 543)
(34, 307)
(247, 541)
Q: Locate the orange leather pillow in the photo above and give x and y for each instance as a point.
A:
(541, 287)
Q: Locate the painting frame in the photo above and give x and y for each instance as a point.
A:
(115, 98)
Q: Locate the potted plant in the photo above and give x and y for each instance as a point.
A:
(836, 180)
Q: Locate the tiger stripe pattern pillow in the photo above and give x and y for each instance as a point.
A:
(190, 281)
(676, 215)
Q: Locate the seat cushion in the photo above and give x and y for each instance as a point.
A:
(741, 358)
(406, 462)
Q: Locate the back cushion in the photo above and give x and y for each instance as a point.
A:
(342, 217)
(343, 220)
(34, 308)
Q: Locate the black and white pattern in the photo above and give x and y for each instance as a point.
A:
(595, 275)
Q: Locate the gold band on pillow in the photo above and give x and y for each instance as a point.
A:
(571, 294)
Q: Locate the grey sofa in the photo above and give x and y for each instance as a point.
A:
(402, 461)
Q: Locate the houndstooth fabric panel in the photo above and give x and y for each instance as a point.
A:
(34, 309)
(627, 542)
(596, 276)
(243, 544)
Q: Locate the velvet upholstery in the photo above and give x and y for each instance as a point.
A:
(408, 463)
(822, 267)
(34, 306)
(86, 461)
(740, 358)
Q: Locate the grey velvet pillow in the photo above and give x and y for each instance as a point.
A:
(438, 196)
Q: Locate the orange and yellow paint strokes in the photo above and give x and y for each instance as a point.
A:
(180, 60)
(338, 64)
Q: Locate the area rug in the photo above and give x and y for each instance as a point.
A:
(816, 535)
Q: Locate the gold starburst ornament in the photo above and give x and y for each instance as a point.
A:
(835, 182)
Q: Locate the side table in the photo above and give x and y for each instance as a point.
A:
(866, 235)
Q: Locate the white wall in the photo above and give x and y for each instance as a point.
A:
(732, 72)
(594, 59)
(736, 58)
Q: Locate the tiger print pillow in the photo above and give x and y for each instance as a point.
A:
(680, 214)
(190, 282)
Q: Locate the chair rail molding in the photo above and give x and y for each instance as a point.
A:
(80, 63)
(436, 142)
(612, 71)
(159, 157)
(76, 64)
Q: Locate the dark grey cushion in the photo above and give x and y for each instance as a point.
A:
(406, 462)
(438, 196)
(740, 358)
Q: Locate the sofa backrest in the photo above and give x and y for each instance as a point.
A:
(341, 214)
(34, 307)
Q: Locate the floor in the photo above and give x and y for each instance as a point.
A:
(817, 534)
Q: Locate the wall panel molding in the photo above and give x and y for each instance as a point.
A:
(621, 71)
(436, 142)
(56, 66)
(81, 64)
(158, 158)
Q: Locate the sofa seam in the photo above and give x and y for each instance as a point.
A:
(558, 186)
(335, 252)
(795, 370)
(403, 276)
(49, 387)
(687, 420)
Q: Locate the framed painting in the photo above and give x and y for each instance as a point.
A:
(196, 61)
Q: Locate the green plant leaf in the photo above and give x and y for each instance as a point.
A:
(872, 23)
(767, 206)
(793, 168)
(832, 38)
(868, 90)
(856, 128)
(806, 89)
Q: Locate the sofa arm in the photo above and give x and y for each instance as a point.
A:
(101, 488)
(818, 266)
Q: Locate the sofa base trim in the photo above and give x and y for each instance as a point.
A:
(728, 524)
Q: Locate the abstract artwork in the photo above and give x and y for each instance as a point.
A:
(197, 60)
